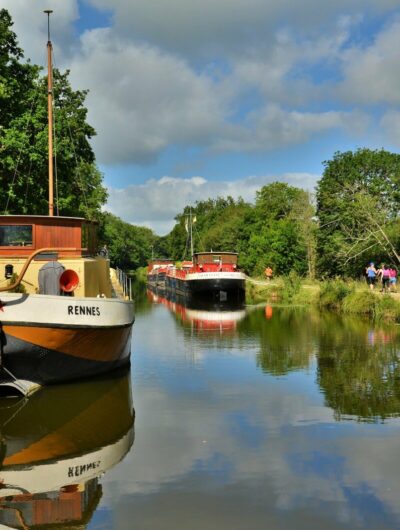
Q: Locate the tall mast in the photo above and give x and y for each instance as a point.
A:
(191, 233)
(50, 113)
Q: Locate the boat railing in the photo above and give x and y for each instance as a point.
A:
(216, 267)
(125, 282)
(181, 273)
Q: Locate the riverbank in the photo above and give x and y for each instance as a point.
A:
(349, 297)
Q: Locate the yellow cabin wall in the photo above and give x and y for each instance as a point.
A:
(94, 274)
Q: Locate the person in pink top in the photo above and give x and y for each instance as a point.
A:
(393, 279)
(383, 272)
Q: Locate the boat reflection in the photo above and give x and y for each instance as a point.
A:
(54, 447)
(204, 317)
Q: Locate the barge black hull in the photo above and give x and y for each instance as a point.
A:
(213, 289)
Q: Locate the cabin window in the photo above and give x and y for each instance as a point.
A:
(16, 236)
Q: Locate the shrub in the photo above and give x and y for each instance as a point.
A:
(361, 303)
(387, 308)
(332, 294)
(291, 286)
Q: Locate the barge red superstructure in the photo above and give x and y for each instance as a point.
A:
(212, 275)
(157, 271)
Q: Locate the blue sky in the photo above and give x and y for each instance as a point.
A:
(210, 97)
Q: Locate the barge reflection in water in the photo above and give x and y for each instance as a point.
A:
(200, 315)
(290, 421)
(55, 445)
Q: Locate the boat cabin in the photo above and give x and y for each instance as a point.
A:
(74, 241)
(20, 235)
(159, 263)
(215, 261)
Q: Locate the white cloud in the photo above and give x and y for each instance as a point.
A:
(143, 99)
(280, 73)
(273, 128)
(30, 25)
(221, 27)
(147, 100)
(257, 87)
(156, 202)
(371, 74)
(390, 124)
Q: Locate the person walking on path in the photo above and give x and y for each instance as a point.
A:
(268, 273)
(371, 273)
(393, 279)
(383, 272)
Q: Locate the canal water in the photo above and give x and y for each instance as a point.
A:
(265, 418)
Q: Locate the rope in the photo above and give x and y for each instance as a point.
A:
(201, 241)
(55, 155)
(27, 183)
(77, 174)
(20, 153)
(186, 247)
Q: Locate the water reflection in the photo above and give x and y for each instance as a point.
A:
(358, 368)
(286, 338)
(55, 445)
(248, 435)
(202, 317)
(357, 364)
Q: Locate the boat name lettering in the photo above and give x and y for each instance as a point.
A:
(77, 471)
(83, 310)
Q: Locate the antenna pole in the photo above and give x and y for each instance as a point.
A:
(191, 233)
(50, 113)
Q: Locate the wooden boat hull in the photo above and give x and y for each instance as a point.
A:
(56, 445)
(49, 339)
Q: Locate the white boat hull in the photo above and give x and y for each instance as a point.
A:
(47, 339)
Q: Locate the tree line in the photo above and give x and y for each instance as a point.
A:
(352, 218)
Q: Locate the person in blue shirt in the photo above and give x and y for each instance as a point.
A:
(371, 273)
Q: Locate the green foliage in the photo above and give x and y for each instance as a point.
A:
(220, 226)
(358, 200)
(292, 286)
(129, 246)
(387, 309)
(277, 231)
(333, 293)
(358, 368)
(360, 303)
(277, 236)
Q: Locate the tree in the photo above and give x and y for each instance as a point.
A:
(278, 231)
(16, 77)
(281, 235)
(358, 201)
(129, 246)
(218, 227)
(23, 135)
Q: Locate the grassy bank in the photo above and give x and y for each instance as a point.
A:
(140, 274)
(348, 297)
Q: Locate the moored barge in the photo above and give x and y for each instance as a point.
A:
(211, 275)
